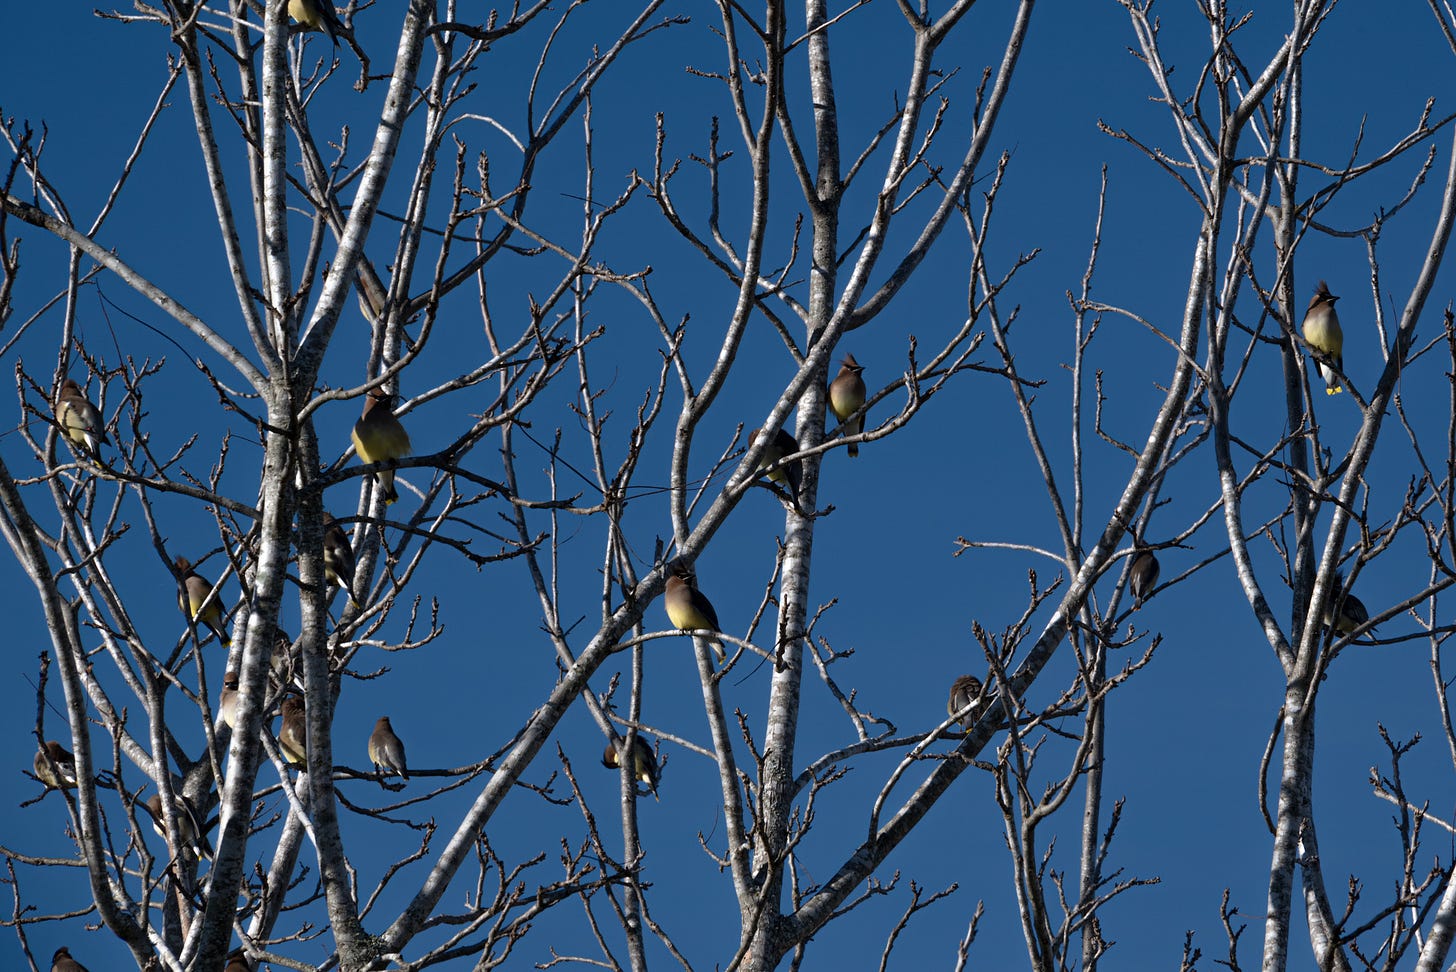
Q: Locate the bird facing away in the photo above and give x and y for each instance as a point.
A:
(1322, 332)
(1353, 612)
(378, 437)
(964, 691)
(847, 396)
(227, 699)
(293, 734)
(782, 445)
(338, 557)
(1142, 577)
(280, 663)
(64, 774)
(386, 751)
(62, 962)
(689, 610)
(317, 15)
(237, 962)
(79, 420)
(192, 591)
(644, 763)
(190, 839)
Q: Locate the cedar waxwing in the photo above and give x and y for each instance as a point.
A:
(378, 437)
(293, 734)
(237, 962)
(1352, 611)
(227, 699)
(847, 396)
(1142, 577)
(1322, 332)
(689, 610)
(644, 763)
(782, 445)
(386, 751)
(62, 962)
(191, 841)
(192, 591)
(64, 775)
(280, 663)
(964, 691)
(79, 420)
(338, 557)
(317, 15)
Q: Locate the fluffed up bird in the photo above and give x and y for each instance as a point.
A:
(193, 602)
(64, 774)
(227, 700)
(644, 762)
(689, 610)
(237, 962)
(386, 751)
(338, 557)
(1352, 613)
(782, 445)
(847, 396)
(1322, 333)
(293, 734)
(62, 962)
(1142, 577)
(378, 437)
(964, 691)
(317, 15)
(80, 421)
(191, 841)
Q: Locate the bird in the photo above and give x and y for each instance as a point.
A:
(378, 437)
(293, 734)
(280, 663)
(847, 396)
(689, 610)
(227, 699)
(192, 592)
(781, 445)
(1353, 612)
(79, 420)
(62, 962)
(1323, 334)
(317, 15)
(644, 763)
(191, 840)
(386, 751)
(964, 691)
(1143, 575)
(64, 774)
(237, 962)
(338, 557)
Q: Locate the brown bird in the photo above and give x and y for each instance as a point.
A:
(964, 691)
(378, 437)
(317, 15)
(64, 774)
(281, 662)
(1322, 332)
(191, 840)
(847, 396)
(193, 601)
(386, 751)
(644, 763)
(227, 699)
(1352, 611)
(62, 962)
(80, 421)
(338, 557)
(782, 445)
(238, 962)
(689, 610)
(1142, 577)
(293, 734)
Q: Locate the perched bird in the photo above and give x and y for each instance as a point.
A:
(847, 396)
(1322, 332)
(80, 421)
(378, 437)
(338, 557)
(280, 663)
(689, 610)
(386, 751)
(644, 763)
(62, 962)
(317, 15)
(227, 699)
(64, 774)
(964, 691)
(293, 734)
(192, 592)
(1143, 575)
(191, 841)
(1353, 612)
(782, 445)
(237, 962)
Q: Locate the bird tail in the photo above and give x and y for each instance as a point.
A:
(853, 450)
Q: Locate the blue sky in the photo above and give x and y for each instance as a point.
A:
(1185, 734)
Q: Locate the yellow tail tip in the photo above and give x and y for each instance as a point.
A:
(1334, 391)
